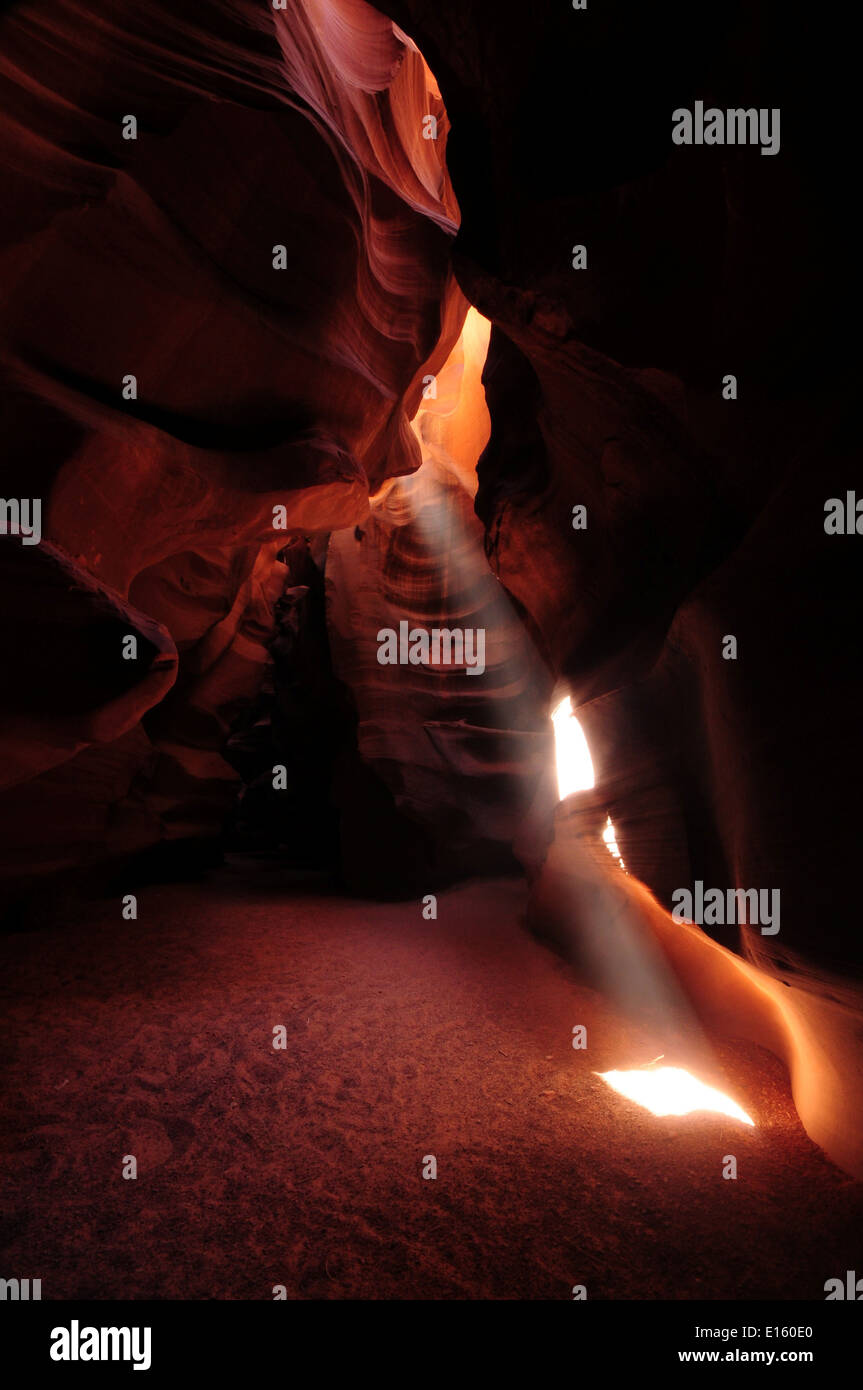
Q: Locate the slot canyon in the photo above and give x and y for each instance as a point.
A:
(429, 668)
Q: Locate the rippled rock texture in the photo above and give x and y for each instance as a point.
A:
(460, 746)
(605, 387)
(705, 512)
(261, 396)
(233, 319)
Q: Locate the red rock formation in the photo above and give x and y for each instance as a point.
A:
(154, 258)
(298, 138)
(705, 515)
(460, 750)
(59, 622)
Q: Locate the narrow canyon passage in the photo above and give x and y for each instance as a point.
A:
(429, 618)
(405, 1038)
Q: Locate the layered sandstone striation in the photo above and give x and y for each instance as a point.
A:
(168, 393)
(169, 390)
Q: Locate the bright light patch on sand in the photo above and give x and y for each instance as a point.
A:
(574, 763)
(672, 1091)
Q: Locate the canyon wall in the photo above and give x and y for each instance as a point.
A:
(225, 267)
(238, 242)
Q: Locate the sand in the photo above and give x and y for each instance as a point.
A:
(405, 1038)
